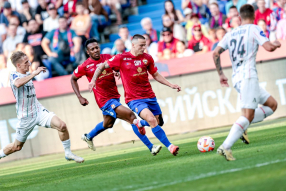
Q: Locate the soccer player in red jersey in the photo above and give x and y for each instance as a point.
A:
(139, 96)
(107, 97)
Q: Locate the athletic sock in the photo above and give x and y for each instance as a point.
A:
(2, 154)
(160, 134)
(261, 113)
(236, 132)
(143, 138)
(98, 129)
(144, 123)
(67, 146)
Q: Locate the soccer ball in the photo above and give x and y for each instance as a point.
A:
(206, 144)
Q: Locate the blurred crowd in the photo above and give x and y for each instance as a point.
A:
(52, 32)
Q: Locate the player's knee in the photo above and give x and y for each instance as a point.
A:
(151, 119)
(63, 127)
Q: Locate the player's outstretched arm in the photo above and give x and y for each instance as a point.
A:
(75, 88)
(271, 46)
(97, 72)
(22, 81)
(216, 57)
(159, 78)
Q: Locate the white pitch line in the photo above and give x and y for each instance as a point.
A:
(192, 178)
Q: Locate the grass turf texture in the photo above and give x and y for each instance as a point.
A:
(259, 166)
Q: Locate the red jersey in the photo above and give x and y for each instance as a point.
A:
(267, 16)
(197, 45)
(133, 71)
(106, 88)
(172, 45)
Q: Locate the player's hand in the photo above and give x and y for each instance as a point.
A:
(276, 43)
(39, 70)
(91, 85)
(83, 101)
(53, 54)
(223, 80)
(175, 86)
(117, 74)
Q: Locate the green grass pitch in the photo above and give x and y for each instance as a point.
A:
(259, 166)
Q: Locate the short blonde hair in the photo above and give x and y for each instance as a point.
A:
(16, 56)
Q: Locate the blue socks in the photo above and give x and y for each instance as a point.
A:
(143, 138)
(98, 129)
(144, 123)
(160, 134)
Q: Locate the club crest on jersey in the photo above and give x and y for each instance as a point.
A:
(104, 72)
(111, 58)
(112, 106)
(89, 65)
(139, 69)
(136, 109)
(145, 61)
(137, 62)
(262, 34)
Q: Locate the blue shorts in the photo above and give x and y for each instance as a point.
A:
(109, 107)
(140, 104)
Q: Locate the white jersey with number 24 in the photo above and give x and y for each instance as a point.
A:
(243, 43)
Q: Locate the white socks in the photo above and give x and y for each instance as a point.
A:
(261, 113)
(2, 154)
(67, 146)
(236, 132)
(169, 147)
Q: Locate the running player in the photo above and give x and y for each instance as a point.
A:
(106, 96)
(243, 43)
(139, 96)
(29, 110)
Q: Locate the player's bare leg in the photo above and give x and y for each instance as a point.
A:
(147, 115)
(11, 148)
(58, 124)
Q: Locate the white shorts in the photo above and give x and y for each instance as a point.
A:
(27, 124)
(251, 93)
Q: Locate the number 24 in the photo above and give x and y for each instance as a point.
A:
(240, 51)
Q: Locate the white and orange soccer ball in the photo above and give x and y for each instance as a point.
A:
(206, 144)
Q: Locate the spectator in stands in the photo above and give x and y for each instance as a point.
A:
(278, 9)
(199, 8)
(70, 9)
(99, 17)
(189, 27)
(151, 47)
(188, 14)
(212, 38)
(175, 15)
(58, 5)
(262, 24)
(182, 51)
(27, 14)
(178, 30)
(34, 38)
(235, 22)
(266, 14)
(232, 13)
(124, 35)
(41, 11)
(13, 20)
(199, 43)
(52, 22)
(217, 19)
(146, 24)
(3, 33)
(167, 54)
(81, 23)
(9, 45)
(281, 27)
(116, 8)
(220, 32)
(119, 47)
(63, 47)
(169, 42)
(7, 13)
(237, 3)
(4, 72)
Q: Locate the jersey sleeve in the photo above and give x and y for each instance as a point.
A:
(13, 78)
(223, 42)
(152, 69)
(258, 35)
(114, 62)
(79, 71)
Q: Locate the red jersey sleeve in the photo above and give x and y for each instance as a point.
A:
(79, 71)
(114, 62)
(152, 69)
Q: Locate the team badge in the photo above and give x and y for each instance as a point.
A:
(145, 61)
(112, 106)
(104, 72)
(136, 109)
(76, 70)
(139, 69)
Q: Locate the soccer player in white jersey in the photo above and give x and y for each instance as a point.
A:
(243, 43)
(29, 110)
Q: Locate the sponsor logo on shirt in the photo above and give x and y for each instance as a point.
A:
(145, 61)
(112, 106)
(137, 62)
(89, 65)
(111, 58)
(139, 69)
(127, 58)
(76, 70)
(262, 34)
(104, 72)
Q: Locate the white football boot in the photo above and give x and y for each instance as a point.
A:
(73, 157)
(156, 149)
(89, 142)
(227, 153)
